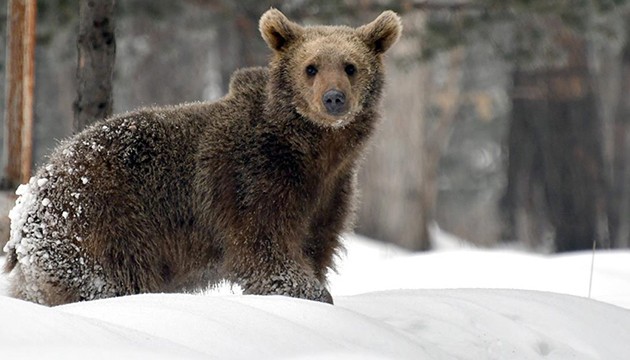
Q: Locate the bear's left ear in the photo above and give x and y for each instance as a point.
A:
(277, 30)
(381, 33)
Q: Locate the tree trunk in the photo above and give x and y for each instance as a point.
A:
(619, 191)
(240, 44)
(20, 80)
(392, 177)
(523, 205)
(399, 188)
(556, 149)
(436, 140)
(97, 50)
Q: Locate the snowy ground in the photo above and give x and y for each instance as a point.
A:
(456, 303)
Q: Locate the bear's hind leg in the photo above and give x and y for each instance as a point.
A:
(54, 278)
(39, 288)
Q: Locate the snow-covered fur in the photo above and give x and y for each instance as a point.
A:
(254, 188)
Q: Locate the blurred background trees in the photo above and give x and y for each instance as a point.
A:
(96, 46)
(505, 121)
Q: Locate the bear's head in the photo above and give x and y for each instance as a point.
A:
(328, 74)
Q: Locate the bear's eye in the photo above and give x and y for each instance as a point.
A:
(311, 70)
(350, 69)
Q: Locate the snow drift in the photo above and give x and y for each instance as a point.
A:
(393, 314)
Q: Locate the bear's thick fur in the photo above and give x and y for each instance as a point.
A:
(254, 188)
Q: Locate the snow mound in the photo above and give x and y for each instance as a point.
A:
(389, 304)
(31, 331)
(411, 324)
(502, 324)
(362, 271)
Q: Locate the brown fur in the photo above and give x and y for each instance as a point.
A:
(254, 188)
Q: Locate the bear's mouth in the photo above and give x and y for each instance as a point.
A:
(334, 121)
(341, 122)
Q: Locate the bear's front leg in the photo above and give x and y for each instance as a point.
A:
(286, 278)
(271, 263)
(257, 206)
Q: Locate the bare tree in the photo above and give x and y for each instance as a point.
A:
(556, 164)
(399, 183)
(20, 80)
(619, 191)
(97, 50)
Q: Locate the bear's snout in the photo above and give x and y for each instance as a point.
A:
(335, 102)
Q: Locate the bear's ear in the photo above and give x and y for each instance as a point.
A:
(277, 30)
(381, 33)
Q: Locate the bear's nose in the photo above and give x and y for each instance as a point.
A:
(334, 101)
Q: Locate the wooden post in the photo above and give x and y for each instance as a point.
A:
(97, 51)
(20, 81)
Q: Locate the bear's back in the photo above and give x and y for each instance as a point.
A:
(249, 83)
(142, 164)
(147, 159)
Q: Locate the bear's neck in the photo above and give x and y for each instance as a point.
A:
(335, 148)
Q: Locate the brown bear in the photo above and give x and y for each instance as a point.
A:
(254, 188)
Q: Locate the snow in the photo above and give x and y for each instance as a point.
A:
(457, 302)
(505, 269)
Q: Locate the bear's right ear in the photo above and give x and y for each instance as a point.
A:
(381, 33)
(277, 30)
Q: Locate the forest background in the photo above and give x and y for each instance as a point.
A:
(505, 121)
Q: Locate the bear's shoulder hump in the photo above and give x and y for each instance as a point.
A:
(249, 82)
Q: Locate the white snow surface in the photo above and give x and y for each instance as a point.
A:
(455, 303)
